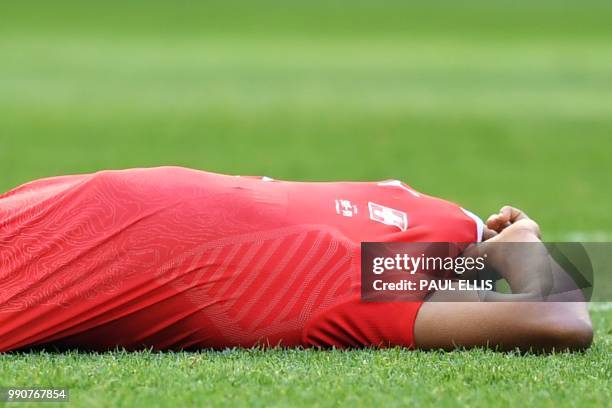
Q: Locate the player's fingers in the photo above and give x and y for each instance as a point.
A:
(513, 214)
(500, 220)
(506, 213)
(488, 233)
(493, 221)
(497, 222)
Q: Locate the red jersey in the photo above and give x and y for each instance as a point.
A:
(173, 258)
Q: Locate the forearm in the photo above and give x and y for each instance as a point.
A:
(524, 261)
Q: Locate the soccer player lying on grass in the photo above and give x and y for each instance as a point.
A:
(173, 258)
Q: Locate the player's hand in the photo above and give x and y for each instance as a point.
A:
(510, 225)
(508, 221)
(509, 216)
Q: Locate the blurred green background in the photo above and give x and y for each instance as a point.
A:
(480, 102)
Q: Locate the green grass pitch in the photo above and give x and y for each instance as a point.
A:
(483, 103)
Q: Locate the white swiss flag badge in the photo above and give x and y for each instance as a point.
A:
(388, 216)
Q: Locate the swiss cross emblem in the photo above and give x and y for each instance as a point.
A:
(345, 208)
(388, 216)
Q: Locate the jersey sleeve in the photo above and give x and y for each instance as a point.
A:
(478, 222)
(363, 324)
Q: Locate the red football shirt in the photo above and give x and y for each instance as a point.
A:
(176, 258)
